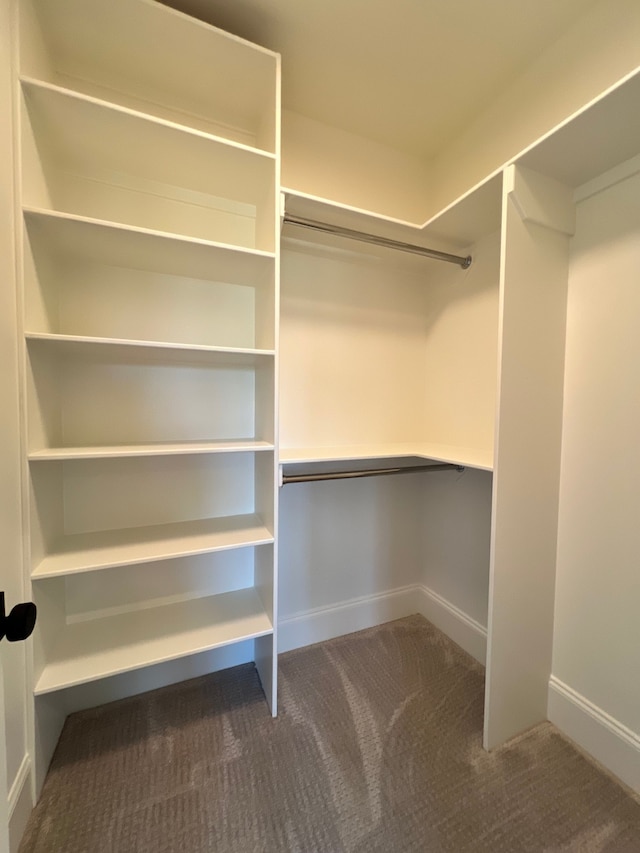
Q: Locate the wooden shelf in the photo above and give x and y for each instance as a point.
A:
(146, 173)
(174, 448)
(100, 279)
(119, 350)
(95, 551)
(475, 215)
(95, 649)
(38, 89)
(465, 456)
(149, 256)
(101, 241)
(600, 136)
(207, 78)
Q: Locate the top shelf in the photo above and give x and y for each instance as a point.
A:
(464, 456)
(146, 56)
(84, 156)
(600, 136)
(469, 219)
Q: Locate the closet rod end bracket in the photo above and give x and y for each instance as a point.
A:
(467, 262)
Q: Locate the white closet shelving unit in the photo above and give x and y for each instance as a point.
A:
(149, 162)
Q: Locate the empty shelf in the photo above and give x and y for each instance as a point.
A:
(467, 457)
(171, 448)
(101, 241)
(83, 129)
(87, 552)
(87, 651)
(208, 78)
(121, 350)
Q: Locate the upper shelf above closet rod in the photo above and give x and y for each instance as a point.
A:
(369, 472)
(464, 262)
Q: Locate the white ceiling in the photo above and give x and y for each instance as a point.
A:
(406, 73)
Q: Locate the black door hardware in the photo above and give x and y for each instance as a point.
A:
(19, 624)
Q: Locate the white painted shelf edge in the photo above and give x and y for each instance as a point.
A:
(53, 216)
(154, 349)
(34, 84)
(466, 456)
(359, 214)
(86, 552)
(87, 651)
(150, 449)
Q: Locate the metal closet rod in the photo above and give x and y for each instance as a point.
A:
(464, 262)
(370, 472)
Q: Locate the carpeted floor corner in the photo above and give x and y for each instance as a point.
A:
(377, 749)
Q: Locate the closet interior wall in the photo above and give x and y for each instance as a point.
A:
(351, 346)
(596, 602)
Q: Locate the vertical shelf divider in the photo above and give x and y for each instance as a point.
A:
(537, 221)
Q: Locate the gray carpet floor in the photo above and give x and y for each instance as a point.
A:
(377, 749)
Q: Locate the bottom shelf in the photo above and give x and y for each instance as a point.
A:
(88, 651)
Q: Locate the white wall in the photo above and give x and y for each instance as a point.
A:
(597, 631)
(351, 350)
(352, 344)
(344, 540)
(458, 381)
(460, 369)
(597, 51)
(331, 163)
(456, 526)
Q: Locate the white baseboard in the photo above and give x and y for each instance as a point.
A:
(355, 614)
(455, 623)
(20, 804)
(611, 743)
(324, 623)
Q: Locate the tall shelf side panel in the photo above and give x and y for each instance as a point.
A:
(266, 572)
(537, 221)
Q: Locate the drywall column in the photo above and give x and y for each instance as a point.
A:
(537, 219)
